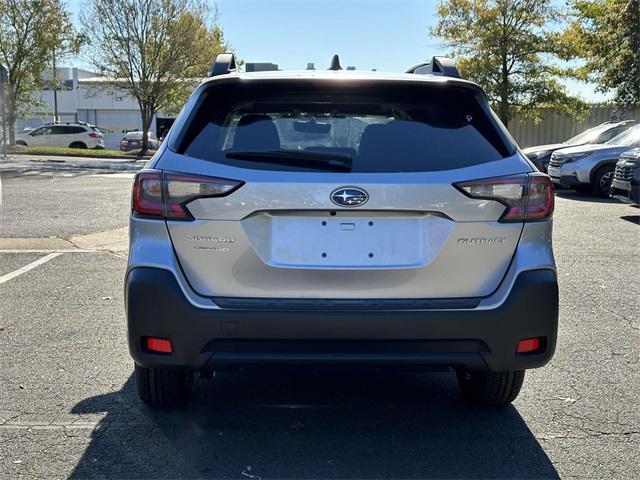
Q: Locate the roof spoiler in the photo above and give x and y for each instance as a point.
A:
(437, 66)
(223, 64)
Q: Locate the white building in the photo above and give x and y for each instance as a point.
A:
(87, 97)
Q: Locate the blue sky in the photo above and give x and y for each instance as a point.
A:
(388, 35)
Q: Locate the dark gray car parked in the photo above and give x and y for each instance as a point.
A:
(133, 141)
(626, 177)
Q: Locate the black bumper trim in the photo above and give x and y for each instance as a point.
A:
(346, 347)
(157, 307)
(568, 181)
(341, 304)
(227, 353)
(627, 191)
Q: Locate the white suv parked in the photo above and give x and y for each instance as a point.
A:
(72, 135)
(590, 168)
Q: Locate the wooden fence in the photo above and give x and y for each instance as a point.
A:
(556, 128)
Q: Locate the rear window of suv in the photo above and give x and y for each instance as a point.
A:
(375, 126)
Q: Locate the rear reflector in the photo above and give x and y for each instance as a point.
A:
(160, 345)
(528, 197)
(528, 345)
(159, 194)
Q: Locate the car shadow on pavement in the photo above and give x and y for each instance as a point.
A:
(292, 424)
(584, 197)
(632, 218)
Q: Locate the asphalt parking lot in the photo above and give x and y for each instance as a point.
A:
(68, 406)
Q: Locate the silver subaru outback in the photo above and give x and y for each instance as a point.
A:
(340, 218)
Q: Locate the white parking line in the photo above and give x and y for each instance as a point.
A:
(113, 175)
(50, 250)
(30, 266)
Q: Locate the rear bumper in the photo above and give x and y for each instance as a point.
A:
(568, 181)
(211, 339)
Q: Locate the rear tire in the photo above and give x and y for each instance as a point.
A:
(602, 180)
(164, 387)
(78, 145)
(495, 389)
(20, 142)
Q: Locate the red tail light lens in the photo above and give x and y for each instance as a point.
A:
(529, 345)
(147, 194)
(541, 200)
(159, 345)
(165, 195)
(181, 189)
(527, 197)
(93, 135)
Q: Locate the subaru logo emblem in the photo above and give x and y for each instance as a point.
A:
(349, 197)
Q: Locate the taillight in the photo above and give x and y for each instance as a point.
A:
(165, 195)
(181, 189)
(147, 194)
(540, 203)
(527, 197)
(93, 135)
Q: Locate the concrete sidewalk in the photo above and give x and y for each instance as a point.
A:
(25, 159)
(114, 241)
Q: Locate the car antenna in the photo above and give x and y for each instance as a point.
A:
(335, 63)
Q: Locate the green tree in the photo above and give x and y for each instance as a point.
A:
(606, 34)
(29, 30)
(153, 49)
(510, 48)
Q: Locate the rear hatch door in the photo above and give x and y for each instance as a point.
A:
(387, 224)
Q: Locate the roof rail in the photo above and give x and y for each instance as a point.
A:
(223, 64)
(437, 66)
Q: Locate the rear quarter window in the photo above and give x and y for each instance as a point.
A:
(74, 130)
(380, 126)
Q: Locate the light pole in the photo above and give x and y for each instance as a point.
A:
(3, 80)
(55, 88)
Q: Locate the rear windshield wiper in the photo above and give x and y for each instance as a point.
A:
(331, 161)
